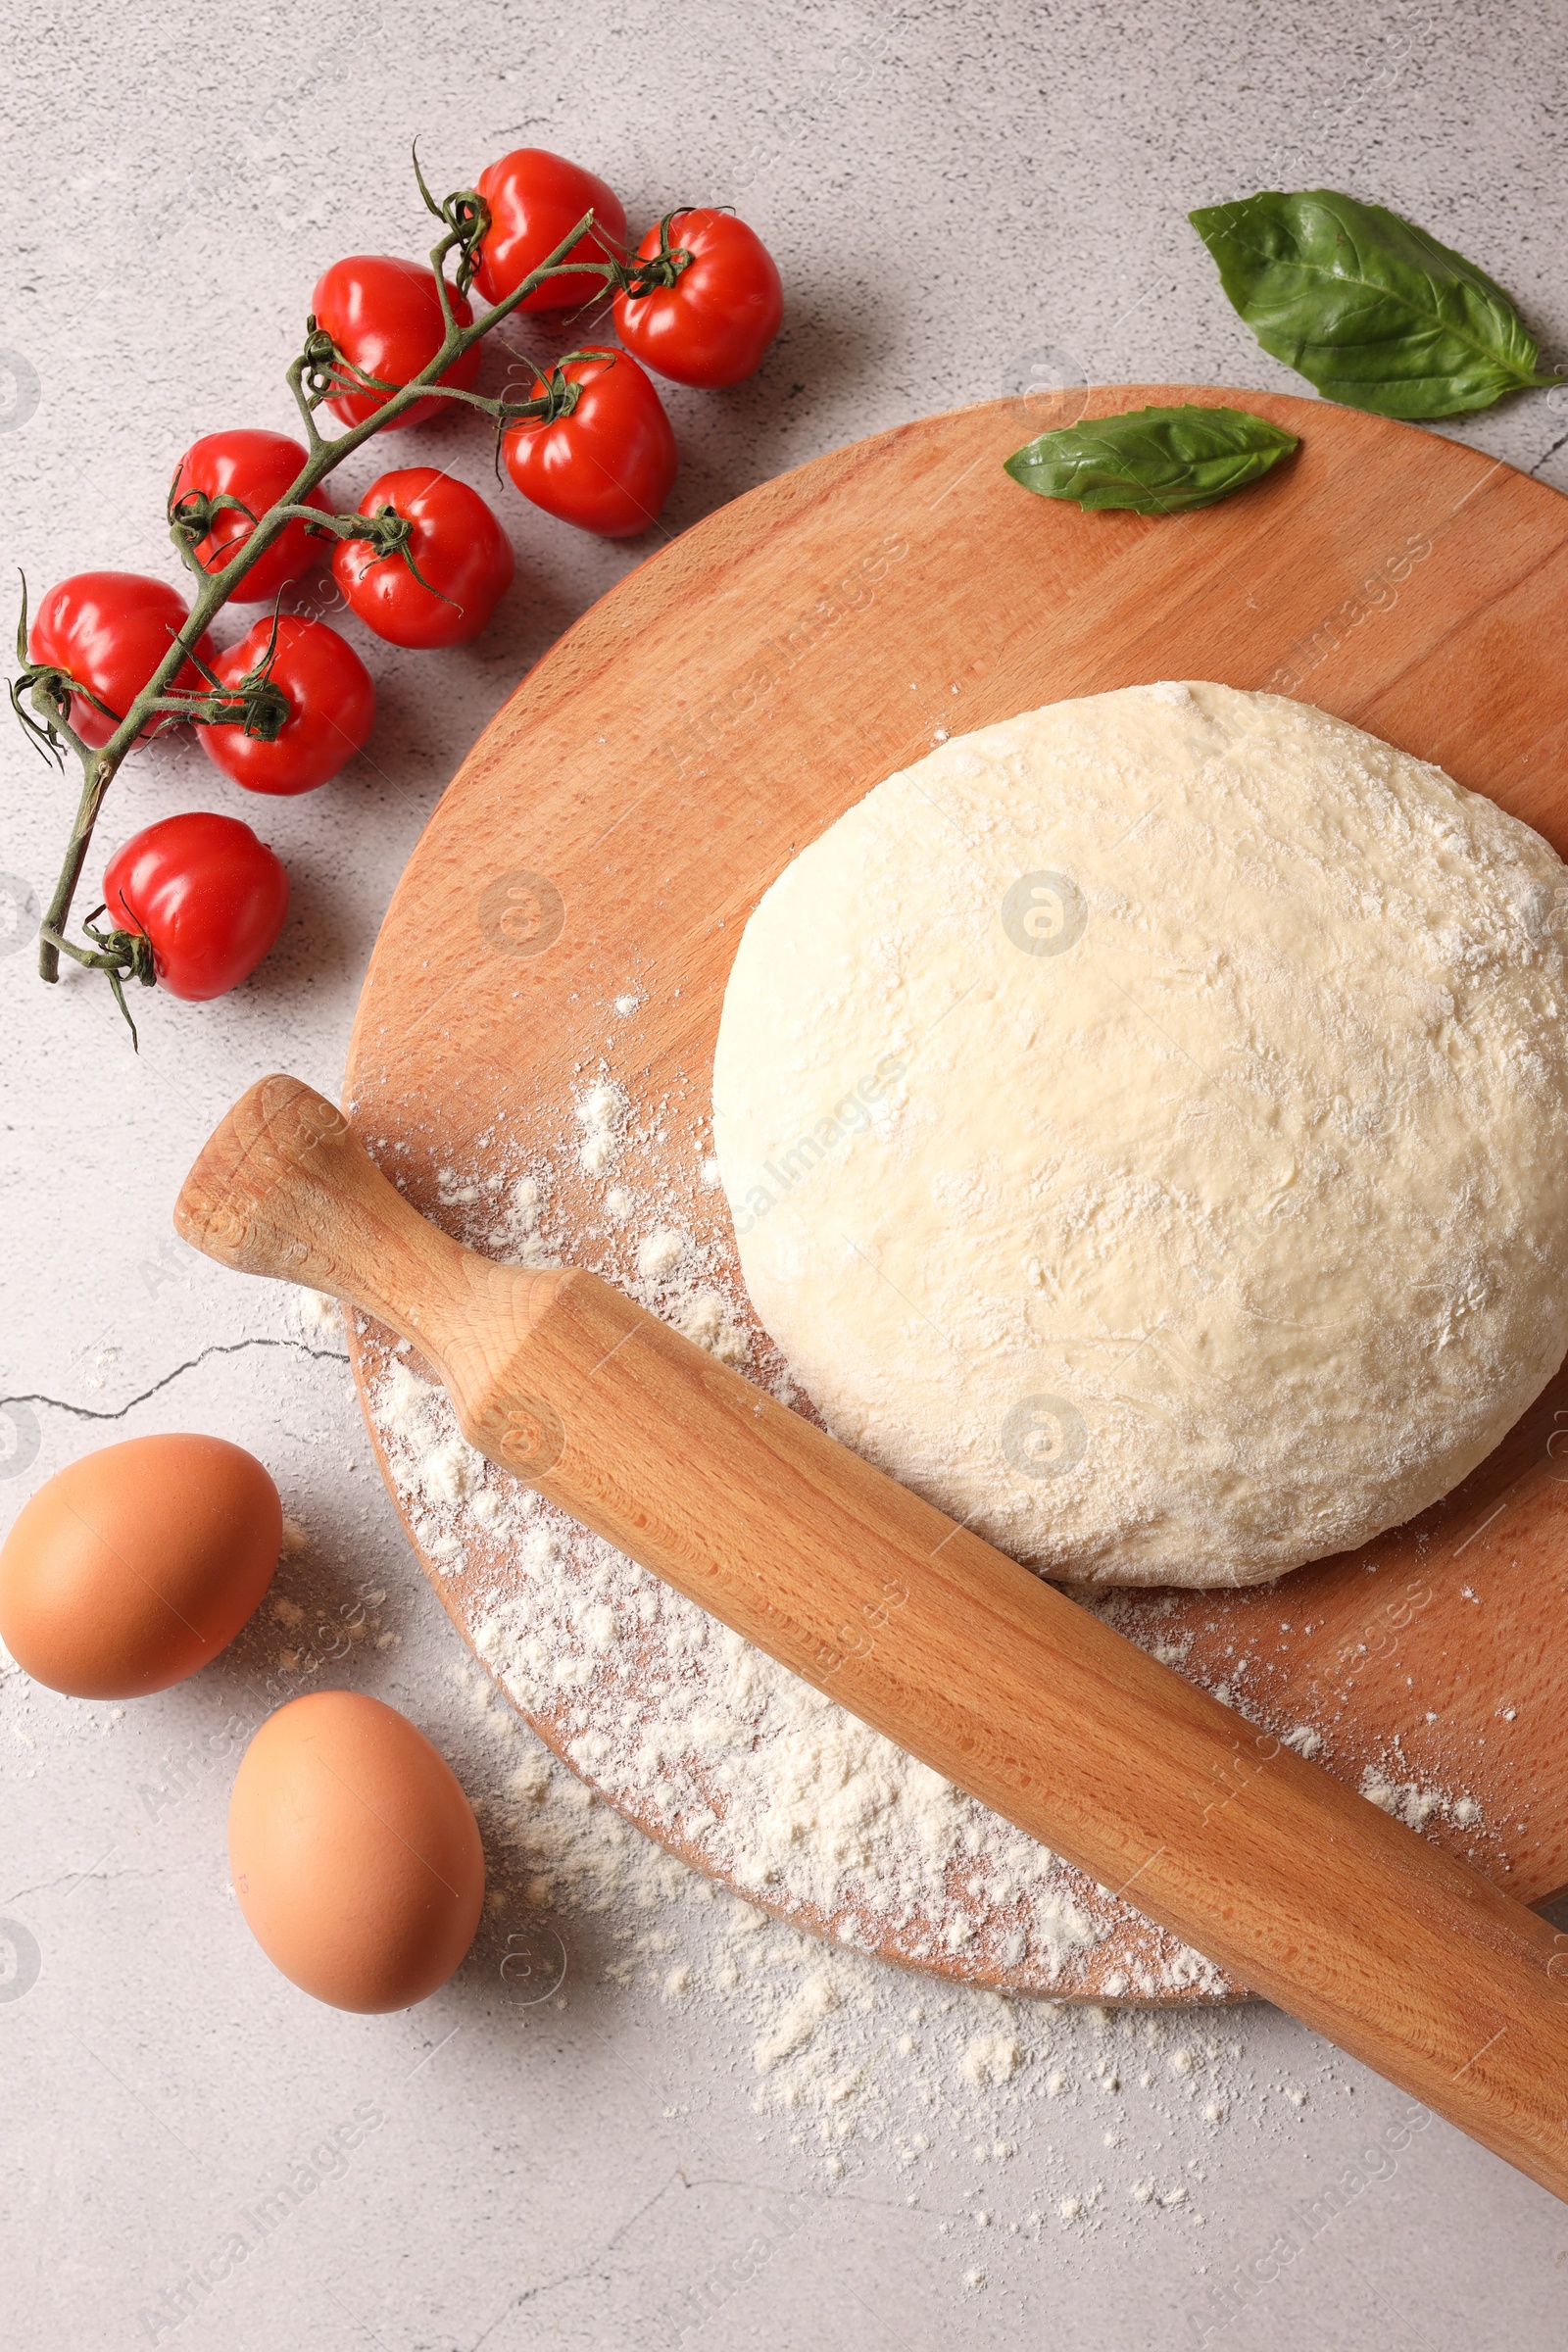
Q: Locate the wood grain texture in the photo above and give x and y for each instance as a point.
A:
(615, 824)
(1406, 1958)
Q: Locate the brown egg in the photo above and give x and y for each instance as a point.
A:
(134, 1566)
(355, 1855)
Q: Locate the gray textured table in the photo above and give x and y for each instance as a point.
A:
(703, 2134)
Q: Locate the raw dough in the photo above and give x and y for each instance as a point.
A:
(1145, 1126)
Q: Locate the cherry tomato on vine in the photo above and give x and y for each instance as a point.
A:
(331, 701)
(205, 893)
(384, 314)
(458, 548)
(608, 462)
(535, 198)
(256, 468)
(111, 629)
(712, 324)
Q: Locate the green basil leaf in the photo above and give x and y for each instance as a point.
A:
(1367, 307)
(1152, 460)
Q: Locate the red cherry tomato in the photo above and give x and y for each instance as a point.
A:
(206, 893)
(332, 699)
(714, 325)
(385, 318)
(535, 198)
(609, 465)
(256, 468)
(457, 545)
(111, 629)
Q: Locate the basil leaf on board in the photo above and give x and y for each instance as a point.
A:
(1152, 460)
(1366, 305)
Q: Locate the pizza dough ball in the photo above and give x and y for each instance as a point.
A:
(1146, 1127)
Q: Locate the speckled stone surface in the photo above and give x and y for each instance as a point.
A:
(958, 195)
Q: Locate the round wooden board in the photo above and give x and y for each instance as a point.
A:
(612, 830)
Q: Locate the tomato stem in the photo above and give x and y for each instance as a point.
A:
(121, 956)
(661, 269)
(191, 520)
(389, 534)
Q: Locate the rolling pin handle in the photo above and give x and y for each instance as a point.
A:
(283, 1188)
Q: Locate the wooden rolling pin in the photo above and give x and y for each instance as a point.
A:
(1414, 1964)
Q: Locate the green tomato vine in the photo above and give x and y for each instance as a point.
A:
(41, 694)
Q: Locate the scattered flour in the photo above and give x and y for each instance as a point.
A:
(816, 1999)
(1414, 1805)
(659, 1254)
(600, 1114)
(516, 1234)
(991, 2058)
(707, 1317)
(314, 1316)
(870, 2073)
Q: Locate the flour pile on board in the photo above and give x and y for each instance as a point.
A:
(754, 1771)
